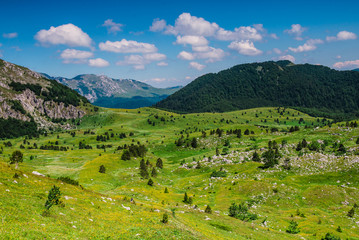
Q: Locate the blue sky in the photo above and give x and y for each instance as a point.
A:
(168, 43)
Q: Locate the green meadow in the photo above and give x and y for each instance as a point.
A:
(315, 186)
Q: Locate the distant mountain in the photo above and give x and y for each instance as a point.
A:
(317, 90)
(29, 102)
(107, 92)
(357, 69)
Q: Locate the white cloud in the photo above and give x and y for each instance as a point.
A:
(197, 66)
(341, 36)
(277, 51)
(10, 35)
(190, 25)
(347, 64)
(338, 57)
(162, 64)
(188, 78)
(296, 31)
(185, 56)
(67, 34)
(158, 25)
(287, 57)
(98, 62)
(192, 40)
(245, 48)
(158, 79)
(139, 61)
(240, 33)
(125, 46)
(212, 54)
(75, 54)
(310, 45)
(112, 27)
(154, 56)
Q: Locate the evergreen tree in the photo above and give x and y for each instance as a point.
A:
(159, 163)
(154, 172)
(208, 209)
(194, 143)
(351, 213)
(102, 169)
(293, 227)
(166, 190)
(126, 155)
(246, 132)
(256, 157)
(143, 169)
(53, 198)
(304, 143)
(198, 166)
(150, 182)
(16, 158)
(342, 149)
(217, 151)
(165, 218)
(330, 236)
(357, 142)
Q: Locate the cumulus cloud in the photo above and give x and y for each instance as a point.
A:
(139, 61)
(112, 27)
(211, 54)
(197, 66)
(98, 62)
(10, 35)
(277, 51)
(67, 34)
(296, 31)
(75, 54)
(287, 57)
(162, 64)
(192, 40)
(310, 45)
(185, 56)
(245, 48)
(186, 24)
(158, 25)
(125, 46)
(341, 36)
(240, 33)
(347, 64)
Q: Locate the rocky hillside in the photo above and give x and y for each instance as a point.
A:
(317, 90)
(30, 101)
(108, 92)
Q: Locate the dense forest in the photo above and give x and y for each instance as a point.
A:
(317, 90)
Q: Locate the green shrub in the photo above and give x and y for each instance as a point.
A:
(68, 180)
(293, 227)
(53, 198)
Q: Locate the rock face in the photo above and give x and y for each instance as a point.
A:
(26, 95)
(115, 93)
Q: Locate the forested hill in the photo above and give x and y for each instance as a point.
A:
(317, 90)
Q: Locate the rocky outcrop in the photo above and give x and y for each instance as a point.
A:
(29, 104)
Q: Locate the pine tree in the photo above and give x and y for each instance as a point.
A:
(166, 190)
(143, 169)
(154, 172)
(159, 163)
(351, 213)
(150, 182)
(208, 209)
(102, 169)
(16, 158)
(293, 227)
(198, 166)
(256, 157)
(357, 142)
(53, 198)
(194, 143)
(185, 199)
(217, 151)
(126, 155)
(246, 132)
(165, 218)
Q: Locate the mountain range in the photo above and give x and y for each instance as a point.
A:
(108, 92)
(315, 89)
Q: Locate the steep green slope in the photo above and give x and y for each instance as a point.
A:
(312, 88)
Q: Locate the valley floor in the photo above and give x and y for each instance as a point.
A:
(314, 183)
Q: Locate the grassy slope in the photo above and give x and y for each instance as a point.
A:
(311, 186)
